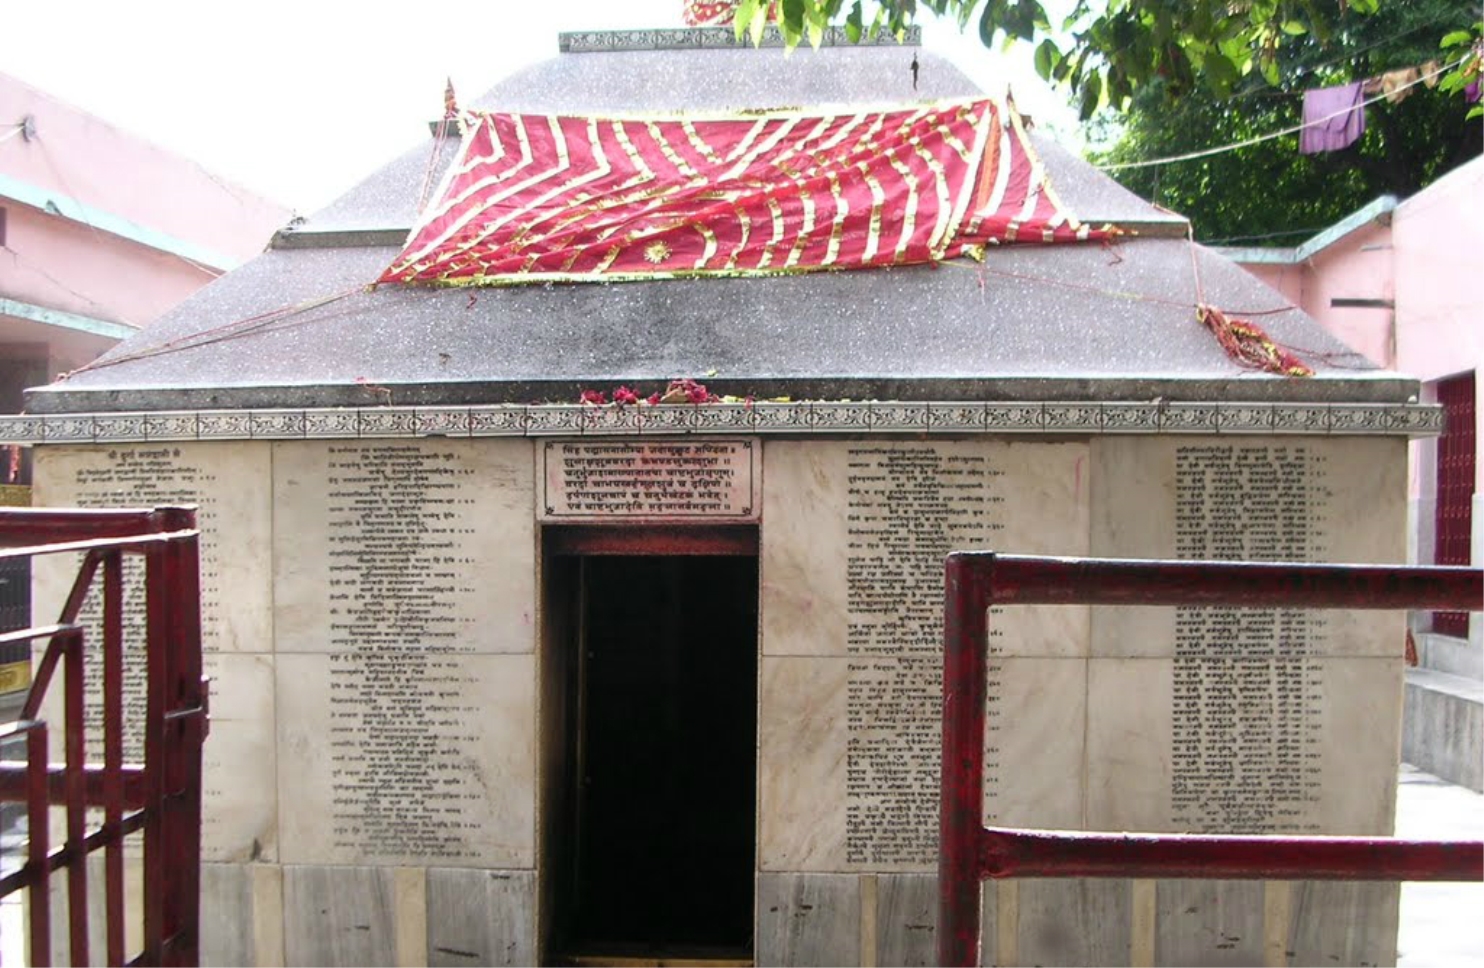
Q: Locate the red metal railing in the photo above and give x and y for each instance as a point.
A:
(969, 852)
(161, 796)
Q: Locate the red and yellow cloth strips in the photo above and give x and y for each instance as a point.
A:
(534, 198)
(1249, 344)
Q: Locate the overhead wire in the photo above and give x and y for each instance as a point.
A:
(1222, 149)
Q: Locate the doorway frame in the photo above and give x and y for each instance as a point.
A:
(565, 540)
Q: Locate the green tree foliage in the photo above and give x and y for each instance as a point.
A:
(1106, 51)
(1269, 194)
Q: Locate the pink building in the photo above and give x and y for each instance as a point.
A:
(100, 233)
(1400, 282)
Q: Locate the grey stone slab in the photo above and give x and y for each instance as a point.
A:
(906, 919)
(1208, 923)
(908, 333)
(481, 917)
(989, 919)
(808, 919)
(339, 916)
(1443, 726)
(227, 915)
(1074, 922)
(1343, 923)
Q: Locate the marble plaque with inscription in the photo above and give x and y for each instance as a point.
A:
(405, 598)
(603, 480)
(231, 485)
(885, 514)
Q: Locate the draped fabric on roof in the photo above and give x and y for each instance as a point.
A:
(534, 198)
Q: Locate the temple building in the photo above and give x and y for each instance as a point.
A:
(575, 491)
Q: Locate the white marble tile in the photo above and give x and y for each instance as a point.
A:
(385, 764)
(803, 606)
(430, 541)
(802, 739)
(230, 482)
(239, 810)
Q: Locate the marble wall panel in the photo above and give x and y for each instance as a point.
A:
(1345, 787)
(481, 917)
(802, 740)
(802, 556)
(429, 543)
(230, 483)
(1209, 923)
(906, 919)
(1129, 724)
(1334, 500)
(439, 771)
(1035, 742)
(227, 915)
(340, 916)
(808, 919)
(1073, 922)
(239, 812)
(1343, 923)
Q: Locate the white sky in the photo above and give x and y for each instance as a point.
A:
(299, 99)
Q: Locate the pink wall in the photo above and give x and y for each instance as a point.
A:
(1439, 238)
(99, 165)
(1358, 266)
(61, 264)
(165, 213)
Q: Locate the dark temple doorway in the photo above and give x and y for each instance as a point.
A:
(652, 840)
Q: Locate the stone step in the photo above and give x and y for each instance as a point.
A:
(1443, 726)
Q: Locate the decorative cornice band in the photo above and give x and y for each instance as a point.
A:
(568, 420)
(714, 38)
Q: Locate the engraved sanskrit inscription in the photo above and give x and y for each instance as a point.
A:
(1248, 709)
(711, 479)
(908, 506)
(146, 476)
(400, 524)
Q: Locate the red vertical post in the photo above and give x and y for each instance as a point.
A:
(76, 796)
(113, 753)
(37, 802)
(960, 817)
(175, 614)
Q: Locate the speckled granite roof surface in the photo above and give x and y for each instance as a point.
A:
(1062, 322)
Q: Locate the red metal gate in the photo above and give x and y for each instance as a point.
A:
(969, 852)
(160, 797)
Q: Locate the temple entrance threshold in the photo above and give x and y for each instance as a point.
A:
(651, 705)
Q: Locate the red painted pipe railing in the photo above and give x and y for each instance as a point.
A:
(969, 852)
(159, 797)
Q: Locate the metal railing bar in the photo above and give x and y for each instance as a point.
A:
(1016, 852)
(135, 545)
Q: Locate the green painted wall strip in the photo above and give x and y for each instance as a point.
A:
(66, 320)
(70, 208)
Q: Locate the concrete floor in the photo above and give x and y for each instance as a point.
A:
(1441, 924)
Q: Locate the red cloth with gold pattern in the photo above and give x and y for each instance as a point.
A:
(534, 198)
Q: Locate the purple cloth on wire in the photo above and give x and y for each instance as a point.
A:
(1340, 131)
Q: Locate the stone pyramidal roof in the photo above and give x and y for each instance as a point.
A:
(1072, 322)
